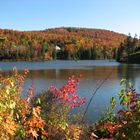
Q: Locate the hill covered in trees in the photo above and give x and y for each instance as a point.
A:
(129, 50)
(74, 43)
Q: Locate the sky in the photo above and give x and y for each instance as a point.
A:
(121, 16)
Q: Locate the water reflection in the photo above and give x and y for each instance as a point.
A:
(98, 72)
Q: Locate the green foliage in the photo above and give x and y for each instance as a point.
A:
(126, 123)
(112, 101)
(128, 51)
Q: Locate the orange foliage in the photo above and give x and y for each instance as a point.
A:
(17, 117)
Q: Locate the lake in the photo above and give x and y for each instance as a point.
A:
(93, 73)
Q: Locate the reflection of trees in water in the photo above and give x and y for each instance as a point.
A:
(129, 72)
(96, 72)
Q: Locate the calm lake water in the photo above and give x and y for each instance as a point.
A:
(94, 72)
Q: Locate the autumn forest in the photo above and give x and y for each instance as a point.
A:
(74, 44)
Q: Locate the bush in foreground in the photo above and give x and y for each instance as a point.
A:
(18, 119)
(40, 117)
(45, 116)
(125, 124)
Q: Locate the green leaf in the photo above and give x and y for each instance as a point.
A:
(17, 116)
(112, 100)
(130, 84)
(1, 117)
(1, 105)
(38, 101)
(12, 104)
(126, 99)
(138, 103)
(122, 81)
(121, 93)
(122, 102)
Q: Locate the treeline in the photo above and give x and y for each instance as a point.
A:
(129, 50)
(74, 43)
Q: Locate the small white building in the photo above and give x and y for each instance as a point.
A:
(57, 48)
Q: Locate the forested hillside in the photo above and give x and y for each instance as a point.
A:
(129, 50)
(74, 43)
